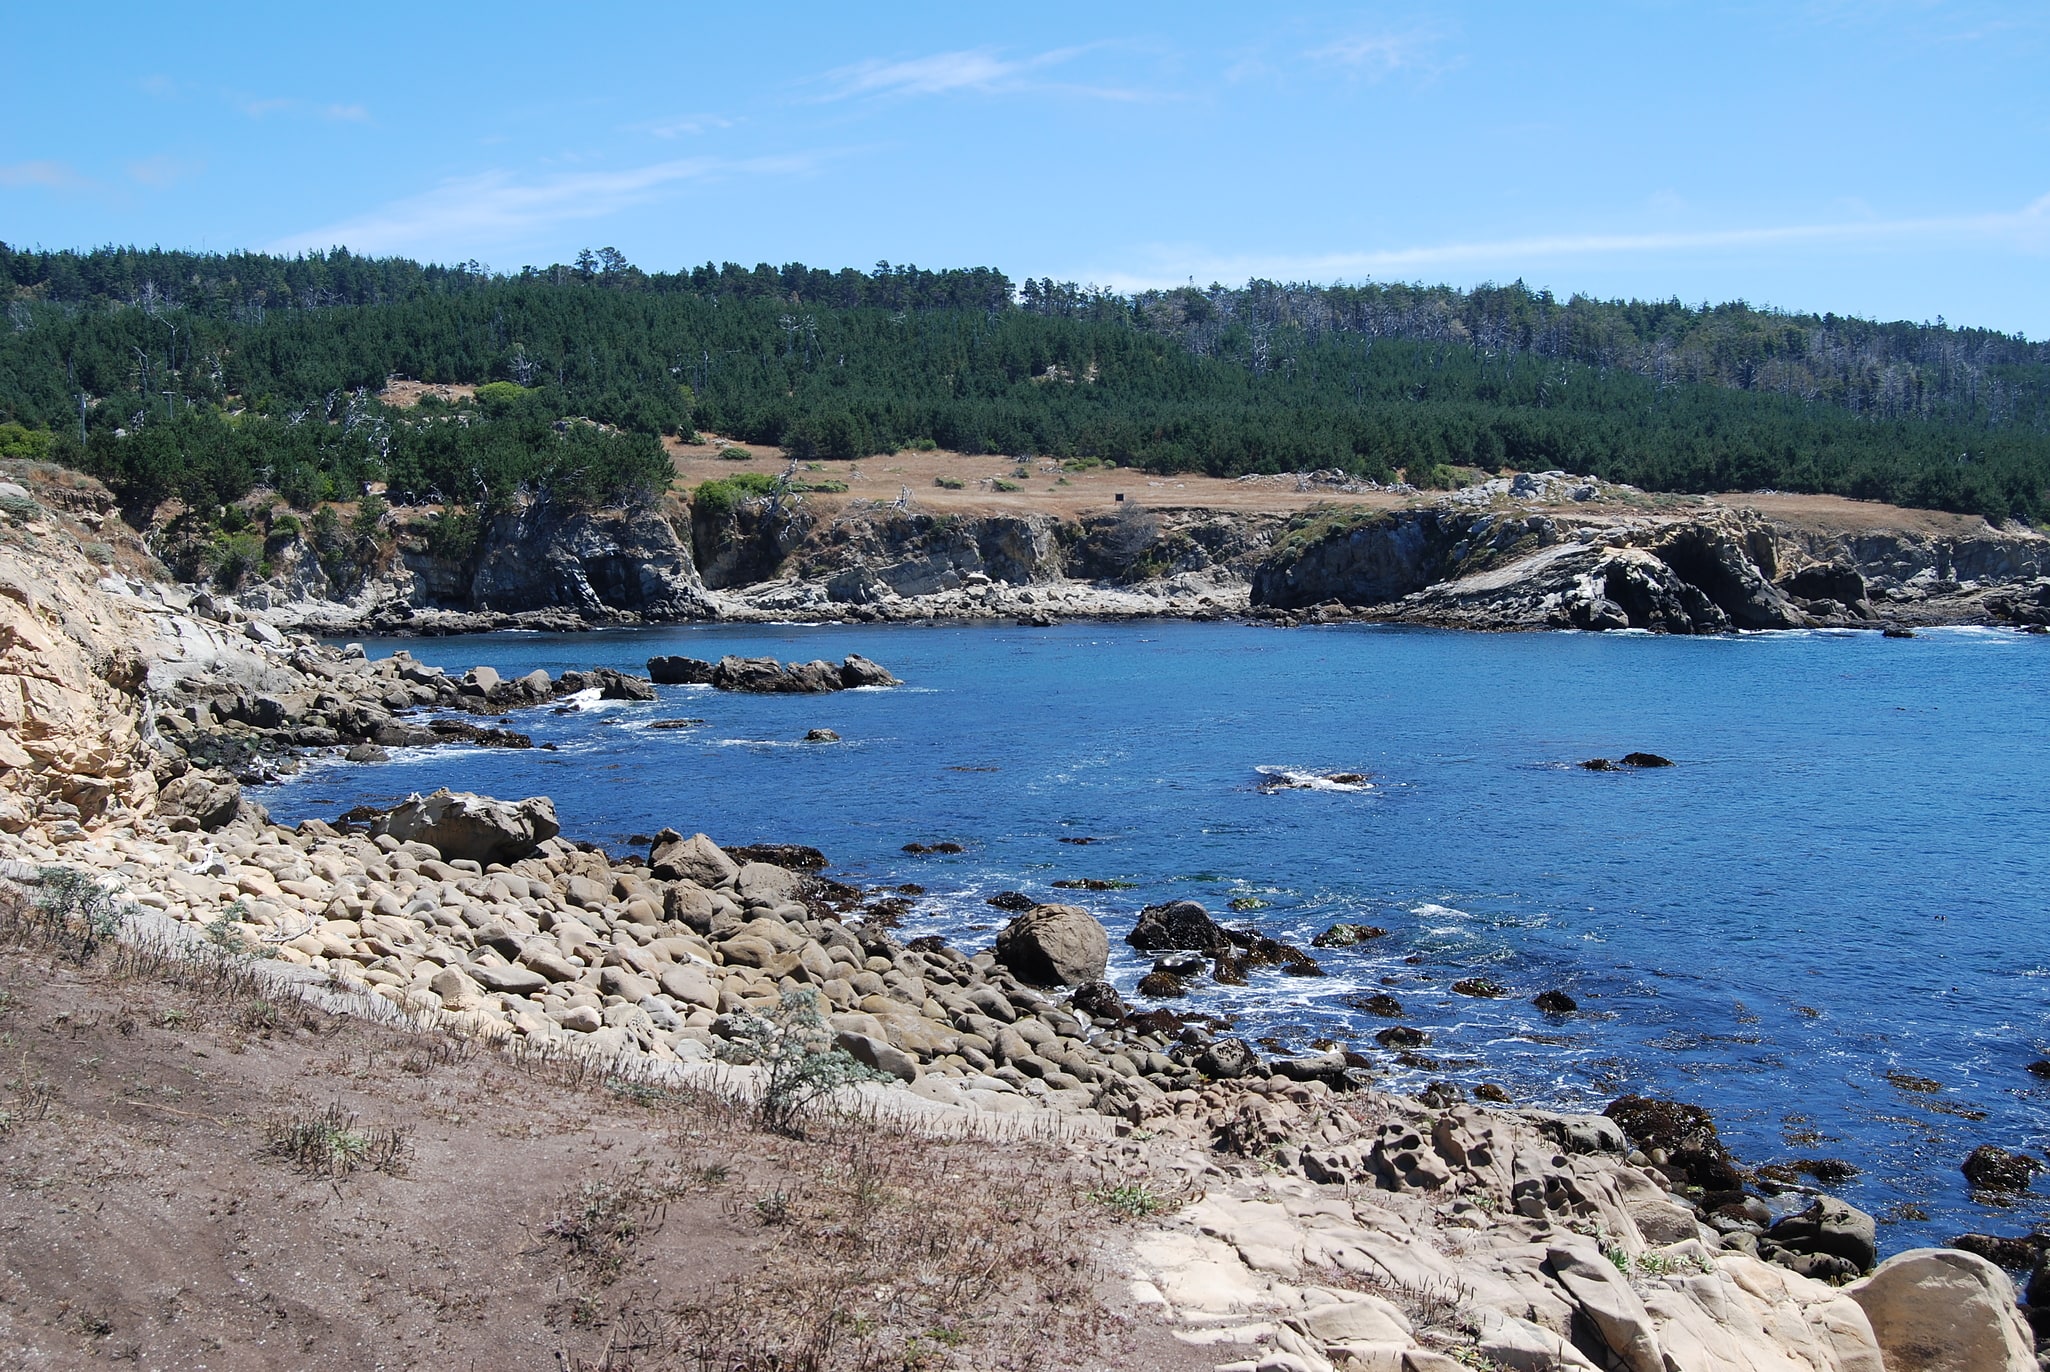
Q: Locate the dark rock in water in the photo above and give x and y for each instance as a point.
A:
(1037, 619)
(366, 752)
(912, 888)
(1380, 1003)
(1228, 970)
(1054, 945)
(1481, 987)
(927, 943)
(1261, 951)
(1598, 764)
(679, 671)
(916, 848)
(1555, 1003)
(1827, 1171)
(1346, 935)
(1300, 964)
(1100, 1000)
(1180, 964)
(1491, 1093)
(1079, 842)
(1242, 904)
(1227, 1059)
(1162, 986)
(795, 856)
(1014, 901)
(1441, 1095)
(1646, 760)
(1181, 925)
(856, 671)
(1684, 1135)
(610, 684)
(1090, 884)
(1160, 1022)
(1896, 631)
(1996, 1169)
(1831, 1227)
(946, 847)
(2040, 1067)
(1402, 1036)
(673, 723)
(2016, 1255)
(821, 736)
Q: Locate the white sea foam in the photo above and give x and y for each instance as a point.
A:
(1294, 779)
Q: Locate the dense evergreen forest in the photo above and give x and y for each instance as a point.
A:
(205, 376)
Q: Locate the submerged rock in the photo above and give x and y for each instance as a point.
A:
(1996, 1169)
(1555, 1003)
(1346, 935)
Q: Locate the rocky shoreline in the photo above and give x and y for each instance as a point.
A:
(1320, 1223)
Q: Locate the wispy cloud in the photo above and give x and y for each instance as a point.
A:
(42, 175)
(163, 170)
(682, 125)
(465, 215)
(2026, 230)
(978, 71)
(336, 112)
(1377, 55)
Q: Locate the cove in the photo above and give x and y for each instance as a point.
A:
(1826, 923)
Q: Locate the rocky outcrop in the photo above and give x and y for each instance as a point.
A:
(767, 676)
(464, 827)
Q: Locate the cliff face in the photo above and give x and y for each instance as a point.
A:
(1675, 566)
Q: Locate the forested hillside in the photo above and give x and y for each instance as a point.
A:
(203, 376)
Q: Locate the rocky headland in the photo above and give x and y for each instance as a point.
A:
(1292, 1216)
(1542, 550)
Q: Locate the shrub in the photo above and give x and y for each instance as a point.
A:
(328, 1143)
(499, 396)
(78, 911)
(718, 499)
(16, 441)
(1002, 485)
(733, 452)
(802, 1069)
(921, 445)
(948, 483)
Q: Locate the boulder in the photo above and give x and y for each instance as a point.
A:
(1832, 1227)
(1346, 935)
(200, 799)
(821, 736)
(1055, 945)
(878, 1055)
(1177, 925)
(1227, 1059)
(679, 671)
(1939, 1310)
(1555, 1003)
(759, 675)
(1100, 1000)
(512, 981)
(672, 857)
(462, 826)
(856, 671)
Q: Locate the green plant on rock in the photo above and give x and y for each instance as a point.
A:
(802, 1068)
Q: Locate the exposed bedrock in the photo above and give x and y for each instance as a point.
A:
(1699, 570)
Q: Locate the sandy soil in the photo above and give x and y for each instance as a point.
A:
(1046, 488)
(403, 394)
(531, 1216)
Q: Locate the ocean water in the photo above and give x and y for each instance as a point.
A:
(1827, 922)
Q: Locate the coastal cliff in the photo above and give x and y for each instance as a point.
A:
(1296, 1218)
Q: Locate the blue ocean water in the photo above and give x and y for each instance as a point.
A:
(1827, 923)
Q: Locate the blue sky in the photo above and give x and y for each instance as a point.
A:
(1877, 157)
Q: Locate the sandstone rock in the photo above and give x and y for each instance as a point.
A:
(697, 859)
(691, 984)
(1939, 1310)
(206, 801)
(1055, 945)
(461, 825)
(878, 1055)
(1603, 1295)
(515, 980)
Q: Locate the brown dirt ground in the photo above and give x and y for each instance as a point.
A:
(537, 1215)
(403, 394)
(1092, 492)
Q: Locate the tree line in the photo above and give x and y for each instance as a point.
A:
(205, 376)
